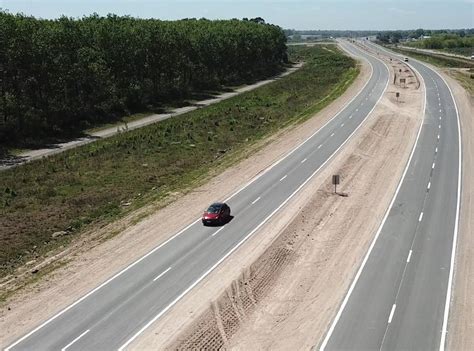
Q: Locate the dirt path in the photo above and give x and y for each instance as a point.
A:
(282, 288)
(142, 122)
(91, 261)
(461, 319)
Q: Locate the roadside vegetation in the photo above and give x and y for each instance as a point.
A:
(435, 59)
(48, 203)
(60, 77)
(452, 42)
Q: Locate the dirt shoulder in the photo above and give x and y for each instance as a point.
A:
(282, 288)
(461, 318)
(93, 260)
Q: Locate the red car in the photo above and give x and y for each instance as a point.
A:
(217, 213)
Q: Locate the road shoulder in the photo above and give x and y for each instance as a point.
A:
(461, 318)
(87, 263)
(281, 289)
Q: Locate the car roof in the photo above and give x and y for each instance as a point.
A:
(217, 204)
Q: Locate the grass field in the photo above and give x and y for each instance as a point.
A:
(437, 60)
(89, 186)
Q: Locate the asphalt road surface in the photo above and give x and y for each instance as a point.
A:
(112, 315)
(399, 299)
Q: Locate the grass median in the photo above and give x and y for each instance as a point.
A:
(46, 204)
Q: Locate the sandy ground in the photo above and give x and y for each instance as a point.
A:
(31, 155)
(282, 288)
(461, 319)
(94, 259)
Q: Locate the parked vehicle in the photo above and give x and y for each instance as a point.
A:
(216, 213)
(405, 59)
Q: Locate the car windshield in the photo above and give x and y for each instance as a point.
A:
(213, 209)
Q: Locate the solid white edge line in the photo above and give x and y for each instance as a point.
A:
(391, 313)
(354, 282)
(197, 220)
(456, 225)
(258, 227)
(409, 256)
(162, 273)
(97, 288)
(72, 342)
(256, 200)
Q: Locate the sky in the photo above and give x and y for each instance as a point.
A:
(290, 14)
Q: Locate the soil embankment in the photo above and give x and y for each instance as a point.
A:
(461, 318)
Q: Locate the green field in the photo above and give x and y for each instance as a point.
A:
(437, 60)
(92, 185)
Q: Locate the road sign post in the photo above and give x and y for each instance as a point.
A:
(335, 181)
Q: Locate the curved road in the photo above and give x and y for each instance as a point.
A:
(115, 313)
(400, 297)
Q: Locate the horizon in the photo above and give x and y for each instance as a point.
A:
(301, 15)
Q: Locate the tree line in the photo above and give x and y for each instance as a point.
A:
(396, 36)
(59, 76)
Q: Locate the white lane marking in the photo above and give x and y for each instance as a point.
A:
(146, 326)
(357, 109)
(444, 329)
(361, 104)
(319, 147)
(438, 136)
(439, 104)
(197, 220)
(436, 150)
(440, 110)
(350, 117)
(429, 185)
(164, 272)
(216, 232)
(379, 230)
(256, 200)
(409, 256)
(332, 134)
(391, 313)
(284, 177)
(439, 126)
(303, 161)
(76, 339)
(440, 117)
(421, 217)
(433, 165)
(342, 125)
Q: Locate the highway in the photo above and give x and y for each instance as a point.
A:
(399, 299)
(111, 316)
